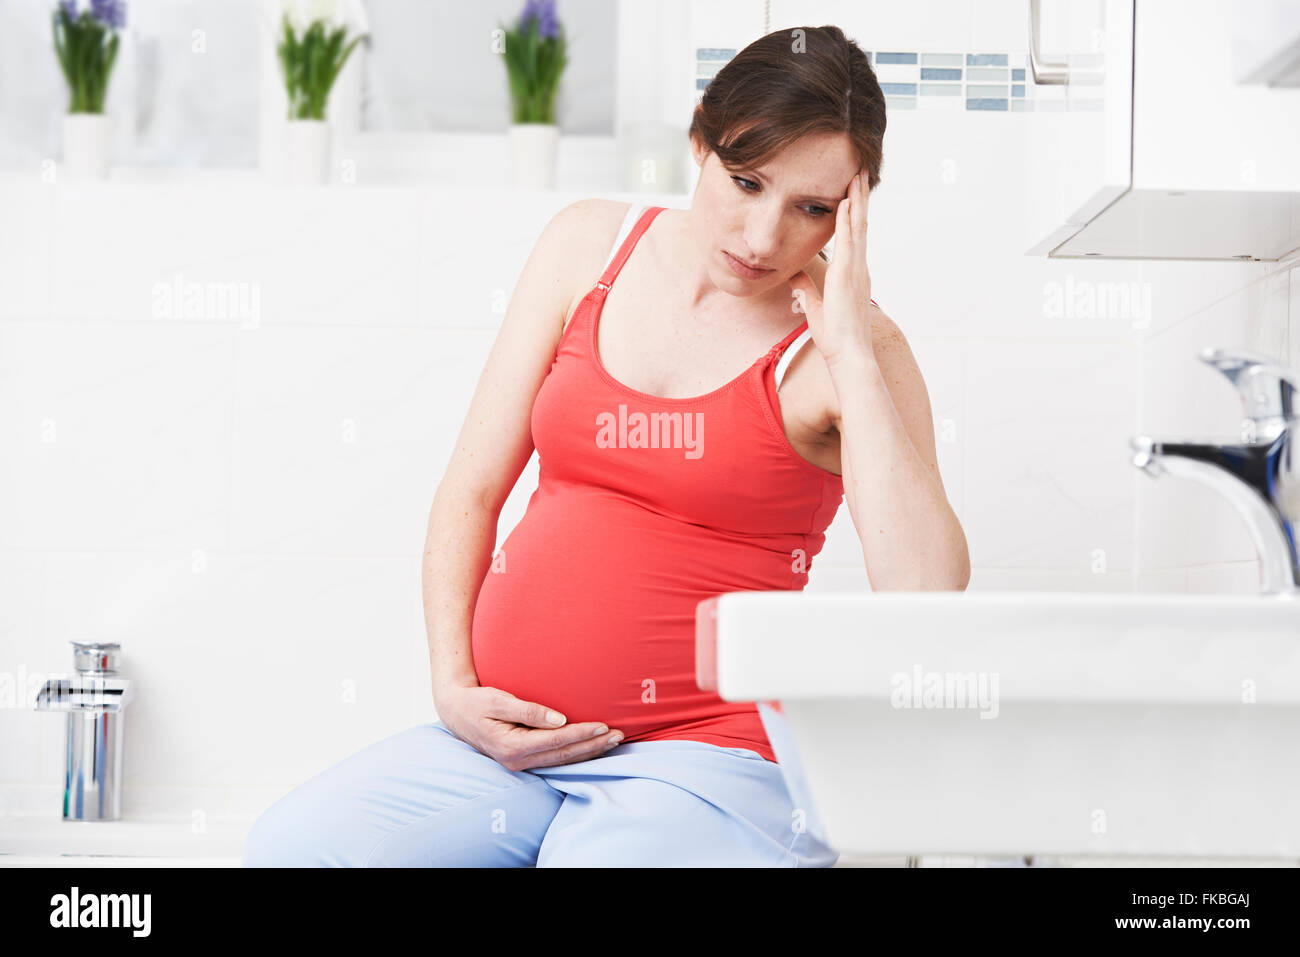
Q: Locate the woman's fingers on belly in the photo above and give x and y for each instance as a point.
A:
(576, 742)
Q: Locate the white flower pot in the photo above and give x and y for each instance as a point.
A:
(87, 142)
(307, 145)
(533, 148)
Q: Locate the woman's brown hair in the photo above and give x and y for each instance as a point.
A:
(786, 85)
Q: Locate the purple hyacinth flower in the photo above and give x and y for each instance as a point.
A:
(530, 12)
(69, 8)
(543, 11)
(549, 24)
(109, 12)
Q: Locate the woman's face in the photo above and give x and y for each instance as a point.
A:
(777, 215)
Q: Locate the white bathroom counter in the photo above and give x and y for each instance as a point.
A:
(45, 836)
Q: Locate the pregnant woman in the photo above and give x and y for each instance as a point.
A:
(674, 466)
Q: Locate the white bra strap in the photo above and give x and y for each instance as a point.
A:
(633, 214)
(789, 354)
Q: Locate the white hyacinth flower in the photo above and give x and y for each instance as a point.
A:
(330, 11)
(335, 13)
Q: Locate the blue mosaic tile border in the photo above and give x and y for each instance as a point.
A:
(998, 82)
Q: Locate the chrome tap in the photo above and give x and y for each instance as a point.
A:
(95, 699)
(1257, 475)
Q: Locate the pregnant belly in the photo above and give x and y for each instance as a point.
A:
(590, 610)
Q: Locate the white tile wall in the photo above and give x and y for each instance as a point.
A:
(937, 25)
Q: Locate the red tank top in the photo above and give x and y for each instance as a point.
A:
(645, 507)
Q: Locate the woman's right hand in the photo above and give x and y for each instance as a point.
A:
(517, 734)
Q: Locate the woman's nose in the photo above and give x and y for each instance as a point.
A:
(762, 236)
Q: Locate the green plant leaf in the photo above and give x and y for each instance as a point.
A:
(339, 60)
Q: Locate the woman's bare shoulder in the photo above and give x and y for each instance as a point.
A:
(589, 229)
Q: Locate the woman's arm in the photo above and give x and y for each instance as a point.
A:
(457, 552)
(911, 537)
(494, 445)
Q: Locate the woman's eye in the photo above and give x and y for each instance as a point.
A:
(816, 212)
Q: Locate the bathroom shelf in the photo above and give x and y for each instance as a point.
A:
(46, 836)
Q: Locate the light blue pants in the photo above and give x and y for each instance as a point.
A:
(424, 798)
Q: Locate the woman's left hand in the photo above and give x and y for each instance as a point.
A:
(838, 318)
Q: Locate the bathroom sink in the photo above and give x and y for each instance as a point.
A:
(1017, 723)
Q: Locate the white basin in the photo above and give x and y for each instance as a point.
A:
(1109, 724)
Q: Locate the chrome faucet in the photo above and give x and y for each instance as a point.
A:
(1258, 475)
(95, 698)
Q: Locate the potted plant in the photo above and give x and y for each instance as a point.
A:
(313, 48)
(86, 39)
(535, 58)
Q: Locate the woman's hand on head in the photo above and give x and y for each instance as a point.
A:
(838, 317)
(517, 734)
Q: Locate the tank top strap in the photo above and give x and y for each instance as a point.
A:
(635, 223)
(789, 347)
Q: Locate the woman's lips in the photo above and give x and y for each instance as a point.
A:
(741, 270)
